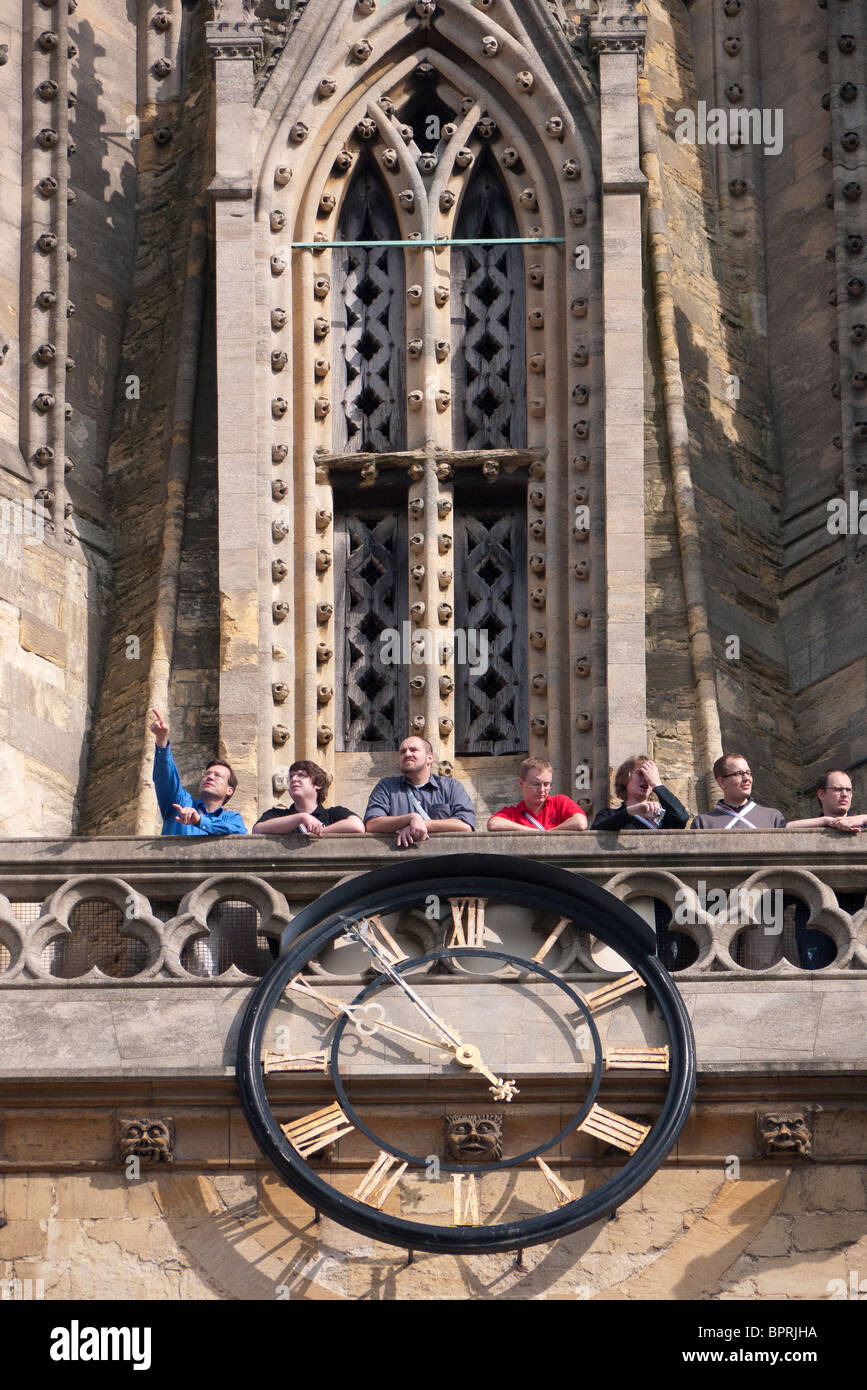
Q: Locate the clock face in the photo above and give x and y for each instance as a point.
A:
(433, 1062)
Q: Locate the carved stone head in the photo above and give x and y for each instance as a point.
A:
(783, 1133)
(149, 1139)
(487, 127)
(427, 163)
(327, 87)
(474, 1138)
(490, 46)
(367, 128)
(525, 80)
(554, 126)
(447, 200)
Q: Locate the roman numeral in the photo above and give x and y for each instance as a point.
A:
(468, 930)
(552, 939)
(466, 1202)
(636, 1059)
(379, 1180)
(294, 1061)
(301, 986)
(316, 1130)
(614, 1129)
(384, 940)
(609, 994)
(561, 1192)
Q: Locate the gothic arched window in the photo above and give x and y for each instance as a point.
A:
(488, 374)
(370, 394)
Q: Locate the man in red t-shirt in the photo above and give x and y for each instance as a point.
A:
(538, 810)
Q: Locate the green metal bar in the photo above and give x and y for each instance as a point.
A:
(446, 241)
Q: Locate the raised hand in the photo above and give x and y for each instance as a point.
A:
(160, 729)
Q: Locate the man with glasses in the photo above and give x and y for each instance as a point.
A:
(736, 809)
(538, 809)
(834, 790)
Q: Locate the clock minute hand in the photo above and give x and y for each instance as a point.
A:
(465, 1054)
(365, 937)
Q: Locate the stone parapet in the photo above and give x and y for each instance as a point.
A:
(141, 953)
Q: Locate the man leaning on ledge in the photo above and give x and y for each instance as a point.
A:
(736, 809)
(538, 809)
(182, 815)
(416, 804)
(834, 793)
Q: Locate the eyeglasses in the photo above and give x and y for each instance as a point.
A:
(847, 790)
(744, 773)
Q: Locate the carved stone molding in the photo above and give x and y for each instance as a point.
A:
(474, 1138)
(787, 1135)
(619, 28)
(150, 1139)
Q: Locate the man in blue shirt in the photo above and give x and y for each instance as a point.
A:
(207, 815)
(416, 805)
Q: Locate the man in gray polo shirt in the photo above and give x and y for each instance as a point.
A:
(736, 809)
(416, 804)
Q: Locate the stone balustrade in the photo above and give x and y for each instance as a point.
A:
(90, 912)
(134, 958)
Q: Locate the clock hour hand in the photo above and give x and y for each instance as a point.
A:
(467, 1055)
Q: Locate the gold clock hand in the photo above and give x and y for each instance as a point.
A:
(468, 1055)
(366, 938)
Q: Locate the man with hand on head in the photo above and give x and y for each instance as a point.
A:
(735, 809)
(182, 815)
(834, 790)
(538, 810)
(417, 804)
(308, 784)
(645, 804)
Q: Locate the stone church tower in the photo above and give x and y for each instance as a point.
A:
(562, 491)
(490, 369)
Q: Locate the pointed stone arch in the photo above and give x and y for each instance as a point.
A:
(368, 321)
(489, 321)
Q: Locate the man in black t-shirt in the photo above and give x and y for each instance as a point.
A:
(308, 783)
